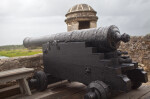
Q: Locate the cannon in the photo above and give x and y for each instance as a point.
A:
(89, 56)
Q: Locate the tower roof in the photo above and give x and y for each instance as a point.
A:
(80, 8)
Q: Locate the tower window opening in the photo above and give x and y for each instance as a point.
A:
(84, 24)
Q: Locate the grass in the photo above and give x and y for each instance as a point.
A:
(19, 52)
(11, 47)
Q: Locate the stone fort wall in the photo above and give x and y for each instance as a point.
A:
(138, 49)
(33, 61)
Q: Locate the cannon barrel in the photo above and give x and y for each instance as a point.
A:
(105, 38)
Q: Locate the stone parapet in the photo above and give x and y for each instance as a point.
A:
(139, 50)
(33, 61)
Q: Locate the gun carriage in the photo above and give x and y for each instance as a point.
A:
(88, 56)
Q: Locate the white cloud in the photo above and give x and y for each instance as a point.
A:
(21, 18)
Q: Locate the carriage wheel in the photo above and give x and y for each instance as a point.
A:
(97, 90)
(39, 81)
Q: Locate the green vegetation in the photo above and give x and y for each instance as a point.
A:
(11, 47)
(17, 50)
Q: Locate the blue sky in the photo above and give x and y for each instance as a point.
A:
(34, 18)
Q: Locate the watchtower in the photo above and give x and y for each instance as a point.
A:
(81, 16)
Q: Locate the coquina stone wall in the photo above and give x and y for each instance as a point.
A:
(138, 49)
(33, 61)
